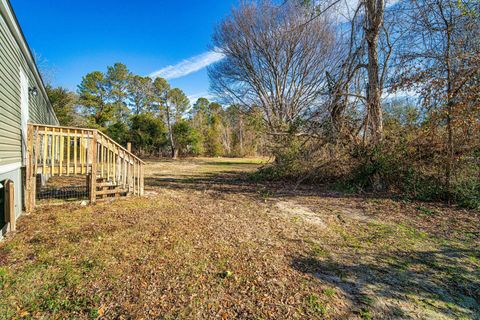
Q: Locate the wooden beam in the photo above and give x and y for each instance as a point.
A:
(138, 178)
(82, 154)
(62, 142)
(142, 182)
(10, 205)
(114, 164)
(130, 169)
(52, 156)
(106, 192)
(74, 155)
(102, 156)
(68, 151)
(125, 169)
(45, 151)
(133, 177)
(37, 150)
(105, 184)
(93, 173)
(108, 160)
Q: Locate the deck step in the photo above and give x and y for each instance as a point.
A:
(111, 191)
(106, 184)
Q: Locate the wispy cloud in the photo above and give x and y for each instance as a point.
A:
(194, 97)
(188, 66)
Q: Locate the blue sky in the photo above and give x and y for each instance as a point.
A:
(73, 38)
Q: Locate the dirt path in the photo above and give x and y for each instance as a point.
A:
(208, 243)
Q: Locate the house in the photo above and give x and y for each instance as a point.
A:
(23, 100)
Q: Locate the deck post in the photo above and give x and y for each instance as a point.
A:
(92, 155)
(142, 182)
(10, 205)
(29, 175)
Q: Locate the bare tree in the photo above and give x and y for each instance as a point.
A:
(276, 58)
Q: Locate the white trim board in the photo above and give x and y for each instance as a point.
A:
(10, 167)
(24, 112)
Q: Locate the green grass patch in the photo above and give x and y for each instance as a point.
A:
(329, 292)
(314, 305)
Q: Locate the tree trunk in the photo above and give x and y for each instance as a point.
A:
(374, 107)
(174, 152)
(374, 14)
(450, 105)
(450, 152)
(240, 136)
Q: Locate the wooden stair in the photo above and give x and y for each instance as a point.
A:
(106, 189)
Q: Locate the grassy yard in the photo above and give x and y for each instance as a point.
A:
(207, 243)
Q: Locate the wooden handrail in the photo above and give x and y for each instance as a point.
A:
(62, 127)
(120, 146)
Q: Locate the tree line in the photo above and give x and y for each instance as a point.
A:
(372, 95)
(157, 119)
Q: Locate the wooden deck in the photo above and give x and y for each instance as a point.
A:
(66, 151)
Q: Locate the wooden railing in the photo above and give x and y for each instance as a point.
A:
(65, 151)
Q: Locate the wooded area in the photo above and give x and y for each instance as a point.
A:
(376, 96)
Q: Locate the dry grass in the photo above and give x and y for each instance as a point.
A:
(207, 243)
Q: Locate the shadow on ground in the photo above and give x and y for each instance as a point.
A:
(226, 181)
(436, 279)
(237, 182)
(234, 181)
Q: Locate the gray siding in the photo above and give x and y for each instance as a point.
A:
(11, 62)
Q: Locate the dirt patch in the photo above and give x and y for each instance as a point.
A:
(295, 211)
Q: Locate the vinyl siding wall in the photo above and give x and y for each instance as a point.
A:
(11, 62)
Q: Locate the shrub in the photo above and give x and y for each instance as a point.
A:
(186, 138)
(395, 172)
(467, 193)
(120, 132)
(148, 133)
